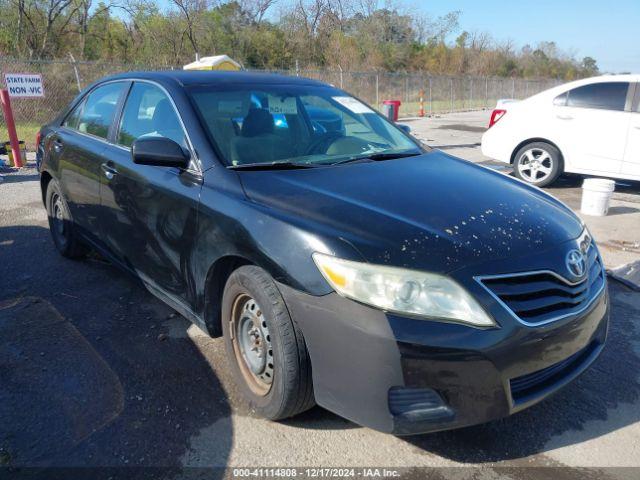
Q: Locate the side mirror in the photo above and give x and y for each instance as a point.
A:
(159, 151)
(405, 128)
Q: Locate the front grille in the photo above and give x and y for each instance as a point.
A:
(532, 383)
(541, 297)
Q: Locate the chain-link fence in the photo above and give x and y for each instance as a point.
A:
(64, 79)
(440, 93)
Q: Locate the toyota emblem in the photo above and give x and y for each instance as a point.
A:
(576, 263)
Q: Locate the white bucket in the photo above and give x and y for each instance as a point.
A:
(596, 195)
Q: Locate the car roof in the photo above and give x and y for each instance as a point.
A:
(606, 78)
(626, 77)
(204, 77)
(558, 89)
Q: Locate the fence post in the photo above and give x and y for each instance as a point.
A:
(451, 92)
(486, 92)
(430, 99)
(513, 87)
(471, 94)
(377, 92)
(75, 71)
(406, 89)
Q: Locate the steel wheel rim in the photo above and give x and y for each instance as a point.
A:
(252, 344)
(58, 215)
(535, 165)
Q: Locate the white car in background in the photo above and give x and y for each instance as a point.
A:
(589, 126)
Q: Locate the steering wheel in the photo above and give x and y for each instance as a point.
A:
(322, 144)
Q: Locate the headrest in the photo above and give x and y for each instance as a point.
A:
(257, 122)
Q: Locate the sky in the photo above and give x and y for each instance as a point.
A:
(607, 30)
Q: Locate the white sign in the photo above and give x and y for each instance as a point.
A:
(282, 105)
(24, 85)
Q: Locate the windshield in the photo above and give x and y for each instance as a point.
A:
(295, 124)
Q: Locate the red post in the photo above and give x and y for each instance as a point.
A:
(11, 127)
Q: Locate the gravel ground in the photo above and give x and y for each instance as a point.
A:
(95, 372)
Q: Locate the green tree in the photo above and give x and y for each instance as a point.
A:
(336, 34)
(589, 67)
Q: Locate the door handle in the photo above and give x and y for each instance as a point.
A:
(57, 144)
(564, 117)
(108, 171)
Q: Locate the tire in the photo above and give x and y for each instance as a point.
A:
(63, 230)
(548, 164)
(252, 298)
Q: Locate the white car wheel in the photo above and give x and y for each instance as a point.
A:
(538, 164)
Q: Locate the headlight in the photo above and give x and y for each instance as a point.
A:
(403, 291)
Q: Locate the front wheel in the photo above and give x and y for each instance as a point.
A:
(265, 347)
(538, 163)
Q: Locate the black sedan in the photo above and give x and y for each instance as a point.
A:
(344, 263)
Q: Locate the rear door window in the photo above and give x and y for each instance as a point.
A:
(606, 96)
(99, 109)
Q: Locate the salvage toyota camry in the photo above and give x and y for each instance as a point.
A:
(344, 263)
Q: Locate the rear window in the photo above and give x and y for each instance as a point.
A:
(606, 96)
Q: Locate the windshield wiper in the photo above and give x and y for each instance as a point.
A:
(391, 156)
(378, 157)
(270, 166)
(286, 165)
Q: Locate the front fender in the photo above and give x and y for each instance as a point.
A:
(231, 225)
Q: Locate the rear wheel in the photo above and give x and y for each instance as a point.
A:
(63, 230)
(538, 163)
(265, 347)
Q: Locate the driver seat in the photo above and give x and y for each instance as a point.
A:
(257, 141)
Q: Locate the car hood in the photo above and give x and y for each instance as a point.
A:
(431, 211)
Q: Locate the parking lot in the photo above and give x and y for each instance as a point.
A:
(94, 371)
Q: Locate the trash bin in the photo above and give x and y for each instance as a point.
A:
(395, 107)
(23, 152)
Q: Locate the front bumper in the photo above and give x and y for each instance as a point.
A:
(408, 376)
